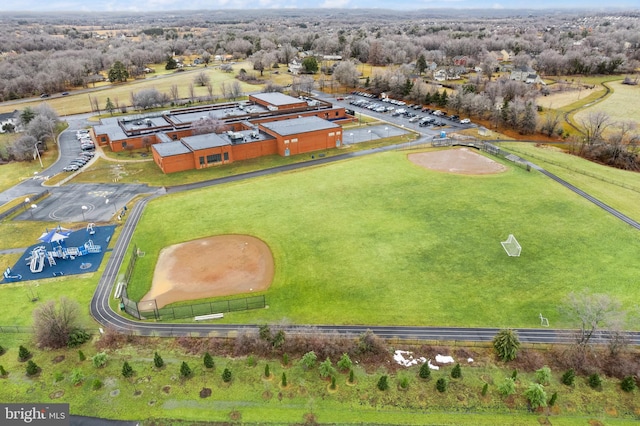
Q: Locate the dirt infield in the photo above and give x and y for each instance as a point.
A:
(208, 267)
(460, 160)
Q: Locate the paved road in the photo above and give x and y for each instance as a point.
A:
(65, 202)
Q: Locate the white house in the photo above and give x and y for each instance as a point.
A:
(9, 118)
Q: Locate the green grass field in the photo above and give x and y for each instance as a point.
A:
(620, 105)
(379, 240)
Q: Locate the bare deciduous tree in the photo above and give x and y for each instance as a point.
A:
(346, 73)
(202, 79)
(594, 125)
(173, 92)
(592, 312)
(53, 323)
(208, 125)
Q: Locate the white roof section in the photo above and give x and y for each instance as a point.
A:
(277, 98)
(299, 125)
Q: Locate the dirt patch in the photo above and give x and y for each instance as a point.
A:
(57, 394)
(460, 161)
(209, 267)
(205, 392)
(58, 359)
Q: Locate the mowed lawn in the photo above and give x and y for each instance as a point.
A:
(621, 105)
(379, 240)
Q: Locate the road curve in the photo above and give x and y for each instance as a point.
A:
(104, 315)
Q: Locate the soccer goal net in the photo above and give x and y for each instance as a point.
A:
(511, 246)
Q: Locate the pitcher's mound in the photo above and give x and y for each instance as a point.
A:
(208, 267)
(462, 160)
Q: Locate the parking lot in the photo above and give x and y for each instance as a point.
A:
(426, 121)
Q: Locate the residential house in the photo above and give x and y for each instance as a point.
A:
(526, 74)
(460, 60)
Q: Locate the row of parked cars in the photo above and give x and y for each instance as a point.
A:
(87, 146)
(401, 108)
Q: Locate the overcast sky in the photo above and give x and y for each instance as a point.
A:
(166, 5)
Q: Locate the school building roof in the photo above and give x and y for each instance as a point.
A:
(277, 98)
(207, 140)
(299, 125)
(167, 149)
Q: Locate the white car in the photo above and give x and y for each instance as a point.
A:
(465, 121)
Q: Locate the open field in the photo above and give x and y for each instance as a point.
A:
(76, 103)
(621, 105)
(562, 99)
(406, 241)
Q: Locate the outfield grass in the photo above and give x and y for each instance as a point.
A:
(379, 240)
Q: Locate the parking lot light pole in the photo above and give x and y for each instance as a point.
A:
(83, 209)
(26, 202)
(38, 152)
(33, 207)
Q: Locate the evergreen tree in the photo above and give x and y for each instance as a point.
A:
(310, 65)
(428, 99)
(553, 399)
(383, 383)
(425, 371)
(226, 375)
(208, 360)
(568, 377)
(157, 360)
(185, 370)
(421, 64)
(406, 88)
(351, 376)
(441, 384)
(444, 99)
(333, 382)
(456, 372)
(81, 356)
(285, 359)
(23, 353)
(309, 360)
(118, 73)
(171, 64)
(127, 370)
(506, 344)
(485, 389)
(594, 381)
(3, 372)
(284, 379)
(435, 98)
(267, 373)
(32, 368)
(109, 106)
(628, 384)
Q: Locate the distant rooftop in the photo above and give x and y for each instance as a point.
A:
(277, 98)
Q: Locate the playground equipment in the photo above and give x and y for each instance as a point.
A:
(10, 277)
(36, 260)
(91, 228)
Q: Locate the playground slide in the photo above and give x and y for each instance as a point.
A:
(37, 262)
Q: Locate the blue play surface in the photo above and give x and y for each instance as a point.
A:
(80, 252)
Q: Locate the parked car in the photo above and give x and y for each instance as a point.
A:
(44, 95)
(71, 168)
(465, 121)
(64, 93)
